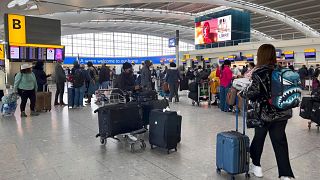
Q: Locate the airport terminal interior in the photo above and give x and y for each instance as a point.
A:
(125, 121)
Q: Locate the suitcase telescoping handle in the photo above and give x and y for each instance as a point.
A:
(244, 115)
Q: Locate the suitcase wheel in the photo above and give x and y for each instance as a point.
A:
(218, 171)
(103, 141)
(193, 103)
(143, 145)
(247, 175)
(132, 147)
(309, 125)
(151, 146)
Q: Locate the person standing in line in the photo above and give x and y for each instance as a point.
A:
(91, 83)
(310, 71)
(25, 84)
(80, 76)
(173, 78)
(214, 82)
(225, 84)
(146, 81)
(60, 78)
(40, 76)
(104, 77)
(303, 72)
(258, 92)
(250, 70)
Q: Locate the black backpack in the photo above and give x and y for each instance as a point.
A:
(78, 78)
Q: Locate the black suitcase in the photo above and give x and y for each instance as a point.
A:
(306, 107)
(150, 105)
(165, 129)
(315, 114)
(193, 96)
(193, 87)
(147, 96)
(184, 84)
(119, 119)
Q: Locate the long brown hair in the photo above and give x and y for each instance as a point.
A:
(266, 55)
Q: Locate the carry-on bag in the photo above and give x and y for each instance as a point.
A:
(115, 119)
(43, 100)
(71, 94)
(306, 107)
(150, 105)
(315, 114)
(165, 129)
(193, 87)
(232, 153)
(147, 96)
(241, 83)
(231, 96)
(184, 84)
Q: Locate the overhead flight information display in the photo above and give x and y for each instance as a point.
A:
(50, 54)
(14, 52)
(42, 54)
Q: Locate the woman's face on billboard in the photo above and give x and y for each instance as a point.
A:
(206, 30)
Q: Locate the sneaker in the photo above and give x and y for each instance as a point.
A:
(285, 178)
(33, 113)
(23, 114)
(56, 104)
(256, 171)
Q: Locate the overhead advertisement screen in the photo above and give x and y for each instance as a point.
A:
(213, 30)
(50, 54)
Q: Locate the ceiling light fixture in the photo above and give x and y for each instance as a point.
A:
(14, 3)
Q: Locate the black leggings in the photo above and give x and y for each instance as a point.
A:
(279, 142)
(25, 95)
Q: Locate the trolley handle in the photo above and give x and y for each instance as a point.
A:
(244, 115)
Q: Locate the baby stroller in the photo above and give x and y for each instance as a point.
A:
(9, 104)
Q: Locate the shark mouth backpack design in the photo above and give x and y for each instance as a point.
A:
(285, 89)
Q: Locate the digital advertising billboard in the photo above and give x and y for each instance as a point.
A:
(213, 30)
(14, 52)
(50, 54)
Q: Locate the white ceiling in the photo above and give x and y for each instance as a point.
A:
(163, 17)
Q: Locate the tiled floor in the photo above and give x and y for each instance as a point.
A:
(62, 145)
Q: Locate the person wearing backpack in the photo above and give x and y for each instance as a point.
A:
(265, 81)
(104, 77)
(79, 78)
(92, 83)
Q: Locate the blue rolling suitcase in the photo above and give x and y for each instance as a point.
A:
(233, 151)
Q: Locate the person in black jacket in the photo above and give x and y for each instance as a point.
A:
(125, 81)
(303, 72)
(173, 78)
(276, 128)
(104, 76)
(40, 76)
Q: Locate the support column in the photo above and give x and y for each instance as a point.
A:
(177, 48)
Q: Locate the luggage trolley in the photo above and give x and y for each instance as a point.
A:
(110, 96)
(204, 93)
(114, 97)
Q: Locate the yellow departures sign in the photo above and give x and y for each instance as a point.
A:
(17, 28)
(1, 51)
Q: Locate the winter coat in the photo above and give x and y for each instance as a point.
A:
(257, 94)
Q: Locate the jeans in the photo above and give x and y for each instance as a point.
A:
(173, 88)
(59, 92)
(223, 98)
(25, 95)
(279, 141)
(78, 96)
(104, 85)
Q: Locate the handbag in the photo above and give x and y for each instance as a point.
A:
(253, 116)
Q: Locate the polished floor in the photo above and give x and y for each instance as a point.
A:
(61, 144)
